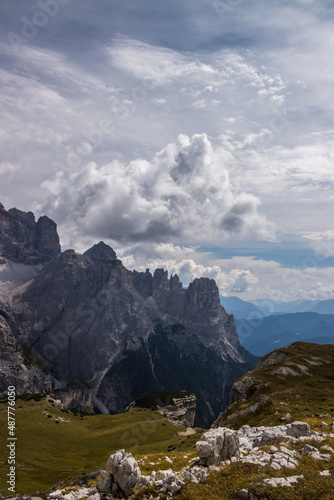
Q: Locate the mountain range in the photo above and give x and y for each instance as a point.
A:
(260, 308)
(105, 334)
(272, 332)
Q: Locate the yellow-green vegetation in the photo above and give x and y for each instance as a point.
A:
(301, 384)
(226, 484)
(53, 444)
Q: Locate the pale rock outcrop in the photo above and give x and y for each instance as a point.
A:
(196, 474)
(284, 458)
(250, 437)
(167, 481)
(218, 445)
(257, 457)
(313, 452)
(125, 470)
(260, 436)
(326, 472)
(282, 481)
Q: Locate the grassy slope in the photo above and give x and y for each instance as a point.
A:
(48, 452)
(302, 396)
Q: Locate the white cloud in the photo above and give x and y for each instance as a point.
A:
(183, 193)
(258, 83)
(157, 64)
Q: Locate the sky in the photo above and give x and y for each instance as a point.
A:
(193, 136)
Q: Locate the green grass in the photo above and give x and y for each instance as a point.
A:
(305, 397)
(53, 444)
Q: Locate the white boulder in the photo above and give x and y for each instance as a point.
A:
(218, 445)
(125, 470)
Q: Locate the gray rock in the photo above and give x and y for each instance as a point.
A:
(298, 429)
(285, 458)
(143, 481)
(257, 457)
(196, 474)
(313, 452)
(260, 436)
(283, 481)
(217, 445)
(125, 470)
(105, 483)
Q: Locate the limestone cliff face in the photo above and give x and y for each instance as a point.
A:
(26, 241)
(20, 366)
(182, 410)
(197, 308)
(177, 406)
(76, 396)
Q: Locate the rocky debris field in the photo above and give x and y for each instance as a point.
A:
(217, 448)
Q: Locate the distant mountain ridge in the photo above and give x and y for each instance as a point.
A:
(268, 307)
(271, 332)
(242, 309)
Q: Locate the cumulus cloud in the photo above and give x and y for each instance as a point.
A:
(183, 193)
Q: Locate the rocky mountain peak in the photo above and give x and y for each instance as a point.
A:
(203, 293)
(26, 241)
(101, 251)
